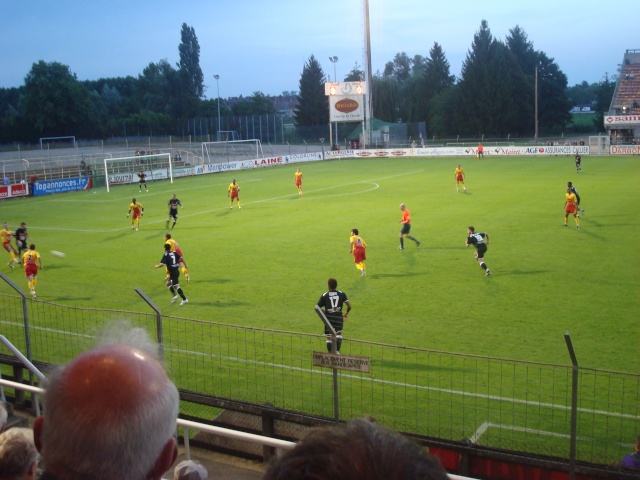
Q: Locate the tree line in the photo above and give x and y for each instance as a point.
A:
(494, 95)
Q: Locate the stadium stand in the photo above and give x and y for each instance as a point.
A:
(626, 101)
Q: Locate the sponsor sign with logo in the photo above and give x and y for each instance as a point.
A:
(625, 150)
(346, 108)
(621, 120)
(60, 186)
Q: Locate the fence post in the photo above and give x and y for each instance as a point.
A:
(334, 350)
(574, 406)
(159, 333)
(27, 337)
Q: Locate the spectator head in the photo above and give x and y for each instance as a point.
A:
(3, 413)
(190, 470)
(18, 455)
(361, 449)
(110, 413)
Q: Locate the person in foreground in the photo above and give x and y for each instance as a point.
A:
(478, 241)
(110, 413)
(190, 470)
(632, 460)
(362, 449)
(18, 455)
(332, 301)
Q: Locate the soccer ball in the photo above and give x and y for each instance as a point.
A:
(58, 254)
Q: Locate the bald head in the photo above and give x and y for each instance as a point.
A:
(114, 401)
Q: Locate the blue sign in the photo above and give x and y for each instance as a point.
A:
(59, 186)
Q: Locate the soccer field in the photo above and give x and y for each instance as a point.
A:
(267, 264)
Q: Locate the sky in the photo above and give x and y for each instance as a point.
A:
(262, 46)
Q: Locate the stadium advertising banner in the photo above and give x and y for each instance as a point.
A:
(617, 120)
(346, 108)
(12, 191)
(472, 151)
(59, 186)
(625, 150)
(216, 167)
(131, 177)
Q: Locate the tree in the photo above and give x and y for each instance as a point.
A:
(435, 79)
(313, 105)
(355, 75)
(55, 103)
(385, 92)
(604, 94)
(190, 72)
(400, 68)
(553, 103)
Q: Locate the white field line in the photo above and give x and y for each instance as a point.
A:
(486, 425)
(373, 380)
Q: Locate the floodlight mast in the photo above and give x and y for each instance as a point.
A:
(334, 60)
(217, 77)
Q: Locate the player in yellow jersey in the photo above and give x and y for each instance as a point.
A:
(29, 260)
(571, 207)
(138, 211)
(459, 176)
(358, 247)
(7, 235)
(176, 248)
(297, 177)
(234, 192)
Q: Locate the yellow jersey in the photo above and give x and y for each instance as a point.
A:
(357, 241)
(234, 188)
(30, 257)
(6, 235)
(174, 245)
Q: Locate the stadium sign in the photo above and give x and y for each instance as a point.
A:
(59, 186)
(621, 120)
(342, 362)
(346, 108)
(16, 190)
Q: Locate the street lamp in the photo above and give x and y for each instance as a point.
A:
(217, 77)
(334, 60)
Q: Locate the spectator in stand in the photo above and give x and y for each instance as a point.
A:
(362, 449)
(632, 460)
(3, 417)
(6, 180)
(190, 470)
(110, 413)
(18, 455)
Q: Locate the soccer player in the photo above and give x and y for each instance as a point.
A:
(6, 236)
(172, 206)
(578, 163)
(172, 261)
(358, 246)
(234, 192)
(459, 175)
(480, 151)
(332, 302)
(297, 176)
(575, 190)
(478, 241)
(142, 180)
(176, 248)
(29, 260)
(21, 238)
(571, 207)
(406, 227)
(138, 211)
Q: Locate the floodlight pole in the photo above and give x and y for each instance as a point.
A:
(217, 77)
(536, 106)
(334, 60)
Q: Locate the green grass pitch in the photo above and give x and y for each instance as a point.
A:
(267, 264)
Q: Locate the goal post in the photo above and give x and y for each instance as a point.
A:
(63, 142)
(225, 151)
(124, 170)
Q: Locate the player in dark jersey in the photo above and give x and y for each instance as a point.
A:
(578, 163)
(574, 190)
(172, 261)
(173, 205)
(478, 241)
(21, 239)
(142, 180)
(332, 302)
